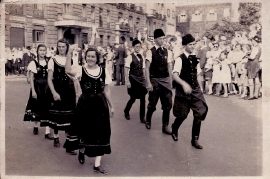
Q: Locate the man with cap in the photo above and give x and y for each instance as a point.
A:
(188, 94)
(159, 81)
(135, 78)
(253, 68)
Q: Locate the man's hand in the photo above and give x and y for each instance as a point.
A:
(186, 87)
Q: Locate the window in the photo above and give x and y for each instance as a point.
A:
(108, 16)
(93, 14)
(197, 16)
(138, 21)
(101, 40)
(108, 40)
(168, 12)
(182, 17)
(226, 13)
(38, 36)
(100, 18)
(173, 16)
(130, 22)
(211, 16)
(120, 17)
(67, 8)
(38, 6)
(84, 10)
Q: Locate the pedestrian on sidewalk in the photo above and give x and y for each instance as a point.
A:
(63, 95)
(38, 104)
(135, 78)
(120, 55)
(159, 81)
(91, 131)
(188, 94)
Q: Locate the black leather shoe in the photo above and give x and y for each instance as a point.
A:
(123, 84)
(127, 116)
(116, 84)
(165, 130)
(35, 131)
(196, 144)
(48, 136)
(147, 125)
(175, 137)
(81, 158)
(56, 142)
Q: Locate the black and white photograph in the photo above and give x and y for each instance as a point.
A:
(136, 89)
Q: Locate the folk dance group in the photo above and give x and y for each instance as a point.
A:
(78, 100)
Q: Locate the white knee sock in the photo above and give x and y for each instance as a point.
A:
(82, 150)
(55, 135)
(97, 161)
(47, 130)
(35, 124)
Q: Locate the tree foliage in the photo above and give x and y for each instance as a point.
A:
(225, 28)
(250, 13)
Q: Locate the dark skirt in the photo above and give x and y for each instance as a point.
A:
(61, 112)
(208, 75)
(253, 67)
(137, 89)
(91, 129)
(37, 109)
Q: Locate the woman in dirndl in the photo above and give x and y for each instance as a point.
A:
(91, 131)
(37, 106)
(63, 94)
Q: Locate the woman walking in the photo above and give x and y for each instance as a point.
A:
(37, 107)
(63, 93)
(92, 125)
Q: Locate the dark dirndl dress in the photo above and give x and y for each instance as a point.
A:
(92, 128)
(61, 112)
(37, 109)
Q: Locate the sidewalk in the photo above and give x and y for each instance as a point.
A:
(15, 77)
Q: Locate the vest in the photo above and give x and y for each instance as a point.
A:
(159, 64)
(136, 66)
(41, 70)
(189, 71)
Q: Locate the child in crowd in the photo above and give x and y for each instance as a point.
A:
(225, 72)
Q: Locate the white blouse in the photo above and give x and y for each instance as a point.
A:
(32, 66)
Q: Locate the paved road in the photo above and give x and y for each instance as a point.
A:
(231, 136)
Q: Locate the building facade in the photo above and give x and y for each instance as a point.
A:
(33, 24)
(195, 19)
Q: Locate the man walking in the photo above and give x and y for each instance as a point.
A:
(135, 77)
(188, 94)
(120, 55)
(159, 81)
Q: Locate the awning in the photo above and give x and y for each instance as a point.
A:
(73, 23)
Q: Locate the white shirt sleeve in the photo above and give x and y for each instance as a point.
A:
(143, 63)
(128, 61)
(148, 56)
(108, 78)
(51, 65)
(32, 67)
(170, 56)
(177, 65)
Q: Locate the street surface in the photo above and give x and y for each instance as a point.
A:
(231, 136)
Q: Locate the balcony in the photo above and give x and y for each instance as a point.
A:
(15, 9)
(38, 13)
(151, 13)
(70, 16)
(124, 27)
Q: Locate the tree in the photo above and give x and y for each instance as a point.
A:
(250, 13)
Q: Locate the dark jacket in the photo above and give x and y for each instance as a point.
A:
(120, 55)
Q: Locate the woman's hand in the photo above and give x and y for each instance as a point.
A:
(34, 95)
(112, 112)
(56, 97)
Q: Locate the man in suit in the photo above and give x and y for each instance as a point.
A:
(120, 55)
(188, 94)
(159, 81)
